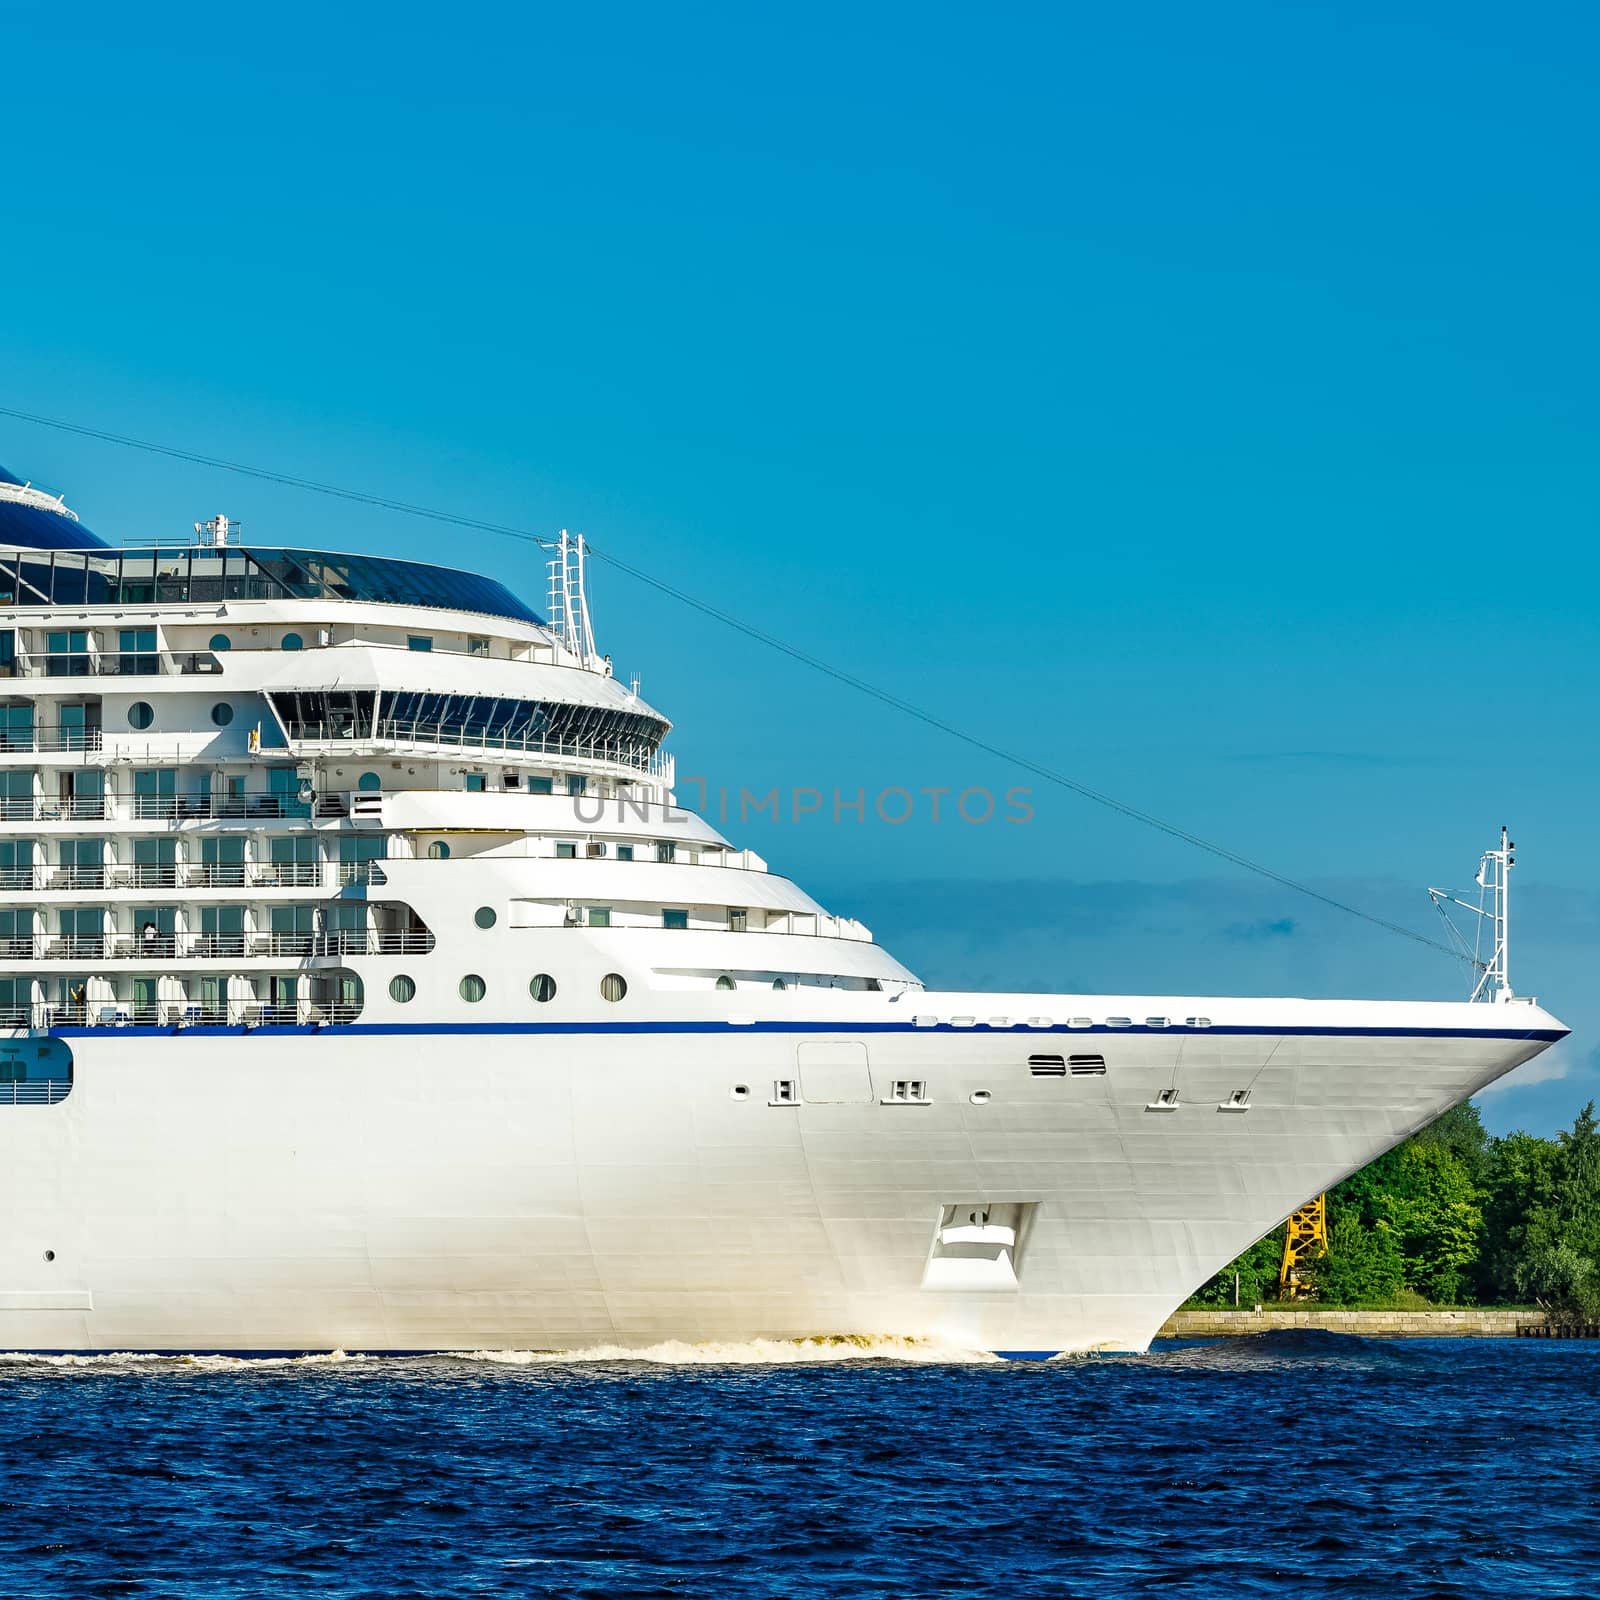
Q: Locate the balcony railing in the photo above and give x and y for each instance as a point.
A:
(354, 942)
(30, 808)
(215, 875)
(49, 740)
(162, 945)
(251, 1013)
(389, 733)
(42, 1092)
(43, 878)
(115, 664)
(73, 877)
(288, 875)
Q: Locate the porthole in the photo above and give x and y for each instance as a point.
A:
(725, 982)
(438, 851)
(140, 714)
(471, 988)
(293, 641)
(368, 781)
(542, 987)
(49, 1255)
(401, 988)
(613, 986)
(220, 641)
(222, 713)
(484, 916)
(740, 1091)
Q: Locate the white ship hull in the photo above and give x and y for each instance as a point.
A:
(540, 1187)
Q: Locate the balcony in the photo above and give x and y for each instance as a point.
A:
(41, 878)
(288, 875)
(251, 1013)
(116, 664)
(50, 740)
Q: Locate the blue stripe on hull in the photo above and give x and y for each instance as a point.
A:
(424, 1029)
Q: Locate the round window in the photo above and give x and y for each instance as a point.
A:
(438, 851)
(613, 986)
(471, 988)
(484, 916)
(140, 714)
(401, 988)
(293, 641)
(542, 987)
(222, 713)
(368, 781)
(220, 641)
(725, 982)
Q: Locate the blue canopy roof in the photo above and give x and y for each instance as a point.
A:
(36, 527)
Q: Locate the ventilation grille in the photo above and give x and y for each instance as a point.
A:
(1087, 1066)
(1047, 1066)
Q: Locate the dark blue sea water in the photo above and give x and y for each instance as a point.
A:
(1286, 1465)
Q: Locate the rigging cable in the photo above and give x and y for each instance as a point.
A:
(816, 663)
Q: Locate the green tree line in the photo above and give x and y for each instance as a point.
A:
(1453, 1217)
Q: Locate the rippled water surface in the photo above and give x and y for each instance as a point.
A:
(1285, 1465)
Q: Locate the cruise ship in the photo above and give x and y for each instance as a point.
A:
(363, 986)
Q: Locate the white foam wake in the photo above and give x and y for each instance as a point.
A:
(746, 1353)
(671, 1353)
(136, 1358)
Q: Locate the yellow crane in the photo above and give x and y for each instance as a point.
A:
(1305, 1238)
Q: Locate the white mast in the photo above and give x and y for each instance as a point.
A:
(569, 602)
(1493, 912)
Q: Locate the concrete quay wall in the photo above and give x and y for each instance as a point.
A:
(1465, 1323)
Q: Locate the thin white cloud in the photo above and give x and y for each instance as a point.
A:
(1556, 1062)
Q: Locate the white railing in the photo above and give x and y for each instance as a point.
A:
(49, 740)
(42, 1092)
(389, 733)
(252, 1013)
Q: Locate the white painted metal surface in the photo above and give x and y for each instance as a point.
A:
(401, 1043)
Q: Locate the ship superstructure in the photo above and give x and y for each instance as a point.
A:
(362, 985)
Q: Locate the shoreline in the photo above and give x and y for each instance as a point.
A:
(1461, 1323)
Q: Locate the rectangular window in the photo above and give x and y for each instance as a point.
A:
(16, 863)
(155, 791)
(221, 931)
(666, 850)
(540, 786)
(16, 727)
(738, 919)
(599, 916)
(577, 783)
(154, 931)
(138, 652)
(624, 852)
(566, 850)
(418, 641)
(477, 647)
(357, 853)
(67, 654)
(476, 783)
(155, 863)
(674, 919)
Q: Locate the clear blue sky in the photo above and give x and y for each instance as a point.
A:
(1203, 404)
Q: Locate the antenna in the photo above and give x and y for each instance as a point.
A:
(1493, 926)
